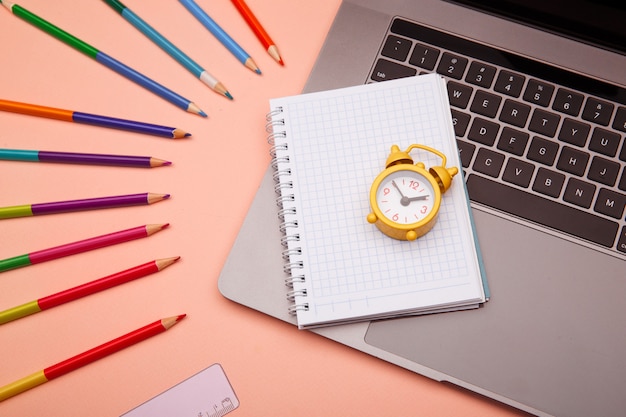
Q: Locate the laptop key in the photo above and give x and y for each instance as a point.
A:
(459, 94)
(622, 182)
(509, 83)
(542, 150)
(621, 243)
(620, 119)
(574, 132)
(466, 152)
(604, 141)
(488, 162)
(452, 65)
(538, 92)
(567, 101)
(573, 161)
(544, 123)
(513, 141)
(480, 74)
(387, 70)
(579, 192)
(610, 203)
(541, 210)
(485, 103)
(460, 121)
(603, 171)
(424, 56)
(598, 111)
(518, 172)
(514, 113)
(549, 182)
(483, 131)
(396, 48)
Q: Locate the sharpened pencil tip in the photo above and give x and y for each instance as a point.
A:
(166, 163)
(227, 94)
(203, 114)
(187, 135)
(258, 71)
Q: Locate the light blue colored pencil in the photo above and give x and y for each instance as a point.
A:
(221, 35)
(169, 47)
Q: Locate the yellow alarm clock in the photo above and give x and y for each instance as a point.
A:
(405, 198)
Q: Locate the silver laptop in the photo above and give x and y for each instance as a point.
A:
(538, 97)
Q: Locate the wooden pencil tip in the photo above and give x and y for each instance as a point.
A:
(154, 198)
(178, 133)
(156, 162)
(164, 263)
(154, 228)
(171, 321)
(273, 51)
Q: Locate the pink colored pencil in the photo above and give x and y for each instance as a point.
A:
(80, 246)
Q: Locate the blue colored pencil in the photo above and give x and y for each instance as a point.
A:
(103, 58)
(169, 47)
(221, 35)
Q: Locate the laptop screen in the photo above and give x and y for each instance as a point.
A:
(599, 22)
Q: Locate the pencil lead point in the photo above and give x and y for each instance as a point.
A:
(227, 94)
(203, 114)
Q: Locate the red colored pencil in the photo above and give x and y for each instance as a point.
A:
(80, 246)
(258, 30)
(85, 358)
(84, 290)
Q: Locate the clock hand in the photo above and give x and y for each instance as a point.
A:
(421, 197)
(393, 182)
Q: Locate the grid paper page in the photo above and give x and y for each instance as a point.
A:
(338, 142)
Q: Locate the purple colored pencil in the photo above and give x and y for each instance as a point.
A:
(81, 158)
(28, 210)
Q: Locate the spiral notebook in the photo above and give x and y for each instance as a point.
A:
(327, 149)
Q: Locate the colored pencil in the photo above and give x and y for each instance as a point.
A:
(221, 35)
(91, 119)
(169, 47)
(80, 246)
(84, 290)
(85, 358)
(258, 30)
(104, 59)
(81, 158)
(27, 210)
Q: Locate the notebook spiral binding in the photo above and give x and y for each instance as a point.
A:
(285, 199)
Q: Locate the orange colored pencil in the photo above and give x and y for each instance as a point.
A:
(258, 30)
(84, 290)
(85, 358)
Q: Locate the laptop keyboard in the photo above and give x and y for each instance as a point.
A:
(536, 142)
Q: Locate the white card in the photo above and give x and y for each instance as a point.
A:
(206, 394)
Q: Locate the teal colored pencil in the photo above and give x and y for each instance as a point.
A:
(103, 58)
(169, 47)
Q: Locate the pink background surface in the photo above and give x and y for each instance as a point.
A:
(274, 368)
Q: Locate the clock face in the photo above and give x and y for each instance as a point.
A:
(405, 197)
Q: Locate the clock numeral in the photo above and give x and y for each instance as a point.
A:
(386, 191)
(424, 209)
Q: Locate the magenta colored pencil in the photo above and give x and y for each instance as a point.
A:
(80, 205)
(80, 246)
